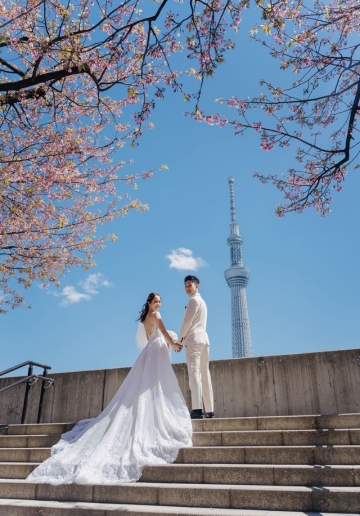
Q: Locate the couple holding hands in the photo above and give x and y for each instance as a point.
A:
(193, 336)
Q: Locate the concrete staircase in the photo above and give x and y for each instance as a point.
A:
(238, 466)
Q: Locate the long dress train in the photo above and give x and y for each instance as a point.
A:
(146, 422)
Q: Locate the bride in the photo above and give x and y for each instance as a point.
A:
(146, 422)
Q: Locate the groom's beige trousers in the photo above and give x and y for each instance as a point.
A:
(197, 359)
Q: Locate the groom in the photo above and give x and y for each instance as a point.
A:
(196, 341)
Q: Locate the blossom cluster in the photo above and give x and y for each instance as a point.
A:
(76, 83)
(318, 112)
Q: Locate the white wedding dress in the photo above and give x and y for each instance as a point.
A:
(146, 422)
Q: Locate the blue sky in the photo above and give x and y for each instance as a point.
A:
(303, 293)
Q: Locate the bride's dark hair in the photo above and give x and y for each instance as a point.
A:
(145, 309)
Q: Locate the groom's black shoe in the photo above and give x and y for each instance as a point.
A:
(209, 415)
(197, 414)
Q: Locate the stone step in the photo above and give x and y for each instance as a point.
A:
(280, 498)
(339, 421)
(24, 454)
(19, 470)
(218, 438)
(276, 437)
(28, 441)
(306, 422)
(44, 508)
(36, 429)
(311, 455)
(262, 474)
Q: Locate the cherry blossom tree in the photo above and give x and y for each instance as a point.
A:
(318, 110)
(78, 80)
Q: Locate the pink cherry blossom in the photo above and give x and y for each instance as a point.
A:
(68, 74)
(318, 111)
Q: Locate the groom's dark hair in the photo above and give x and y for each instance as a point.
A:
(193, 279)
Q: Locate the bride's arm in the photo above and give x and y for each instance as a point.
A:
(160, 325)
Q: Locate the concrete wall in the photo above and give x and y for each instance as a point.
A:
(308, 383)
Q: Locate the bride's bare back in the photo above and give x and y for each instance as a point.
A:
(149, 323)
(153, 320)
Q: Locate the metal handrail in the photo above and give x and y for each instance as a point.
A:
(36, 377)
(30, 379)
(28, 362)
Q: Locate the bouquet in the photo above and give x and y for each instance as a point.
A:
(173, 336)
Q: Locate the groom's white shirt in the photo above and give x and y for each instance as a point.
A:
(194, 325)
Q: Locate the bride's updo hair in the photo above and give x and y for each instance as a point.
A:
(145, 309)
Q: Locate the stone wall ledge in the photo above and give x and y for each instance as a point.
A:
(325, 382)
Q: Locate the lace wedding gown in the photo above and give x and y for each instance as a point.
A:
(146, 422)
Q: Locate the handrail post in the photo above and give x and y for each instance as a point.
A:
(41, 397)
(27, 392)
(30, 379)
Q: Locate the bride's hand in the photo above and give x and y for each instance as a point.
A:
(176, 347)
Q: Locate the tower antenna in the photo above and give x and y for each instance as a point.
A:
(237, 277)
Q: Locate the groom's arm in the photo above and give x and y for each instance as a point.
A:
(190, 313)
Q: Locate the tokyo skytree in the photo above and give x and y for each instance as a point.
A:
(237, 278)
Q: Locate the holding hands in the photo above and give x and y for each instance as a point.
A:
(177, 346)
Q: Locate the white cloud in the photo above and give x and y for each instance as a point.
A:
(90, 285)
(93, 282)
(71, 296)
(182, 259)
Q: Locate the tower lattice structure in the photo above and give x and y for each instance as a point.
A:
(237, 277)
